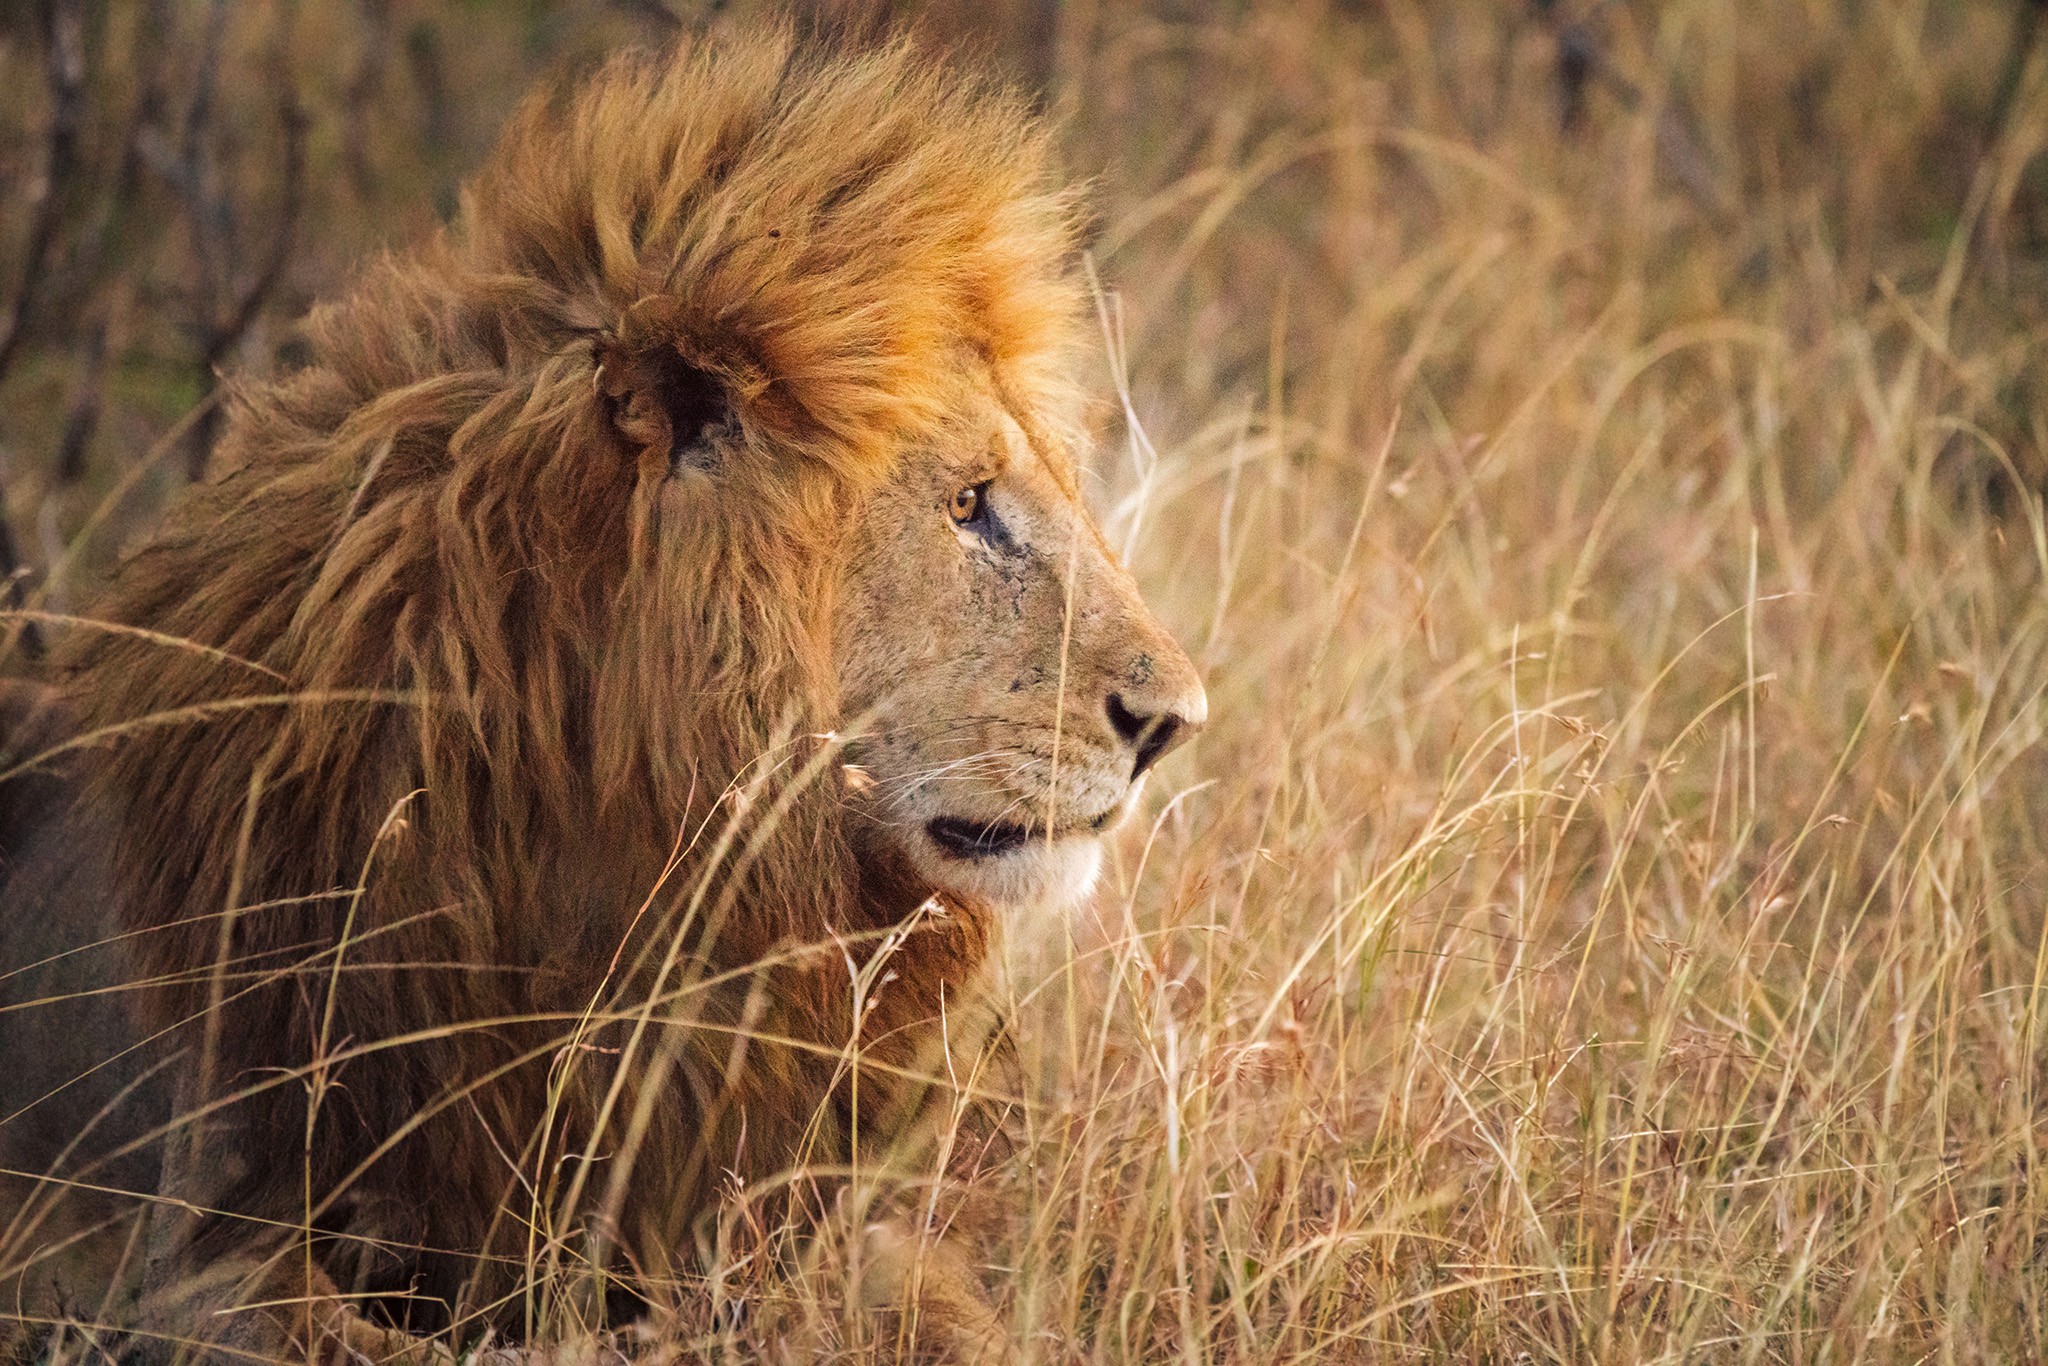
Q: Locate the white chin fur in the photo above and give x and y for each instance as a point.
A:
(1037, 877)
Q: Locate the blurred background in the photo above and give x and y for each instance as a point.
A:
(183, 178)
(1595, 449)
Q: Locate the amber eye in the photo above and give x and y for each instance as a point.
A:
(967, 504)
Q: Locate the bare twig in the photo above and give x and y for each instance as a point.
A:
(226, 331)
(196, 173)
(12, 571)
(2029, 28)
(425, 64)
(1576, 58)
(1580, 59)
(116, 212)
(360, 97)
(84, 417)
(64, 26)
(231, 329)
(65, 20)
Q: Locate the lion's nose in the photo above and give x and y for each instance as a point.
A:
(1153, 727)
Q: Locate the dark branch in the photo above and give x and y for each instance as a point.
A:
(66, 33)
(360, 97)
(84, 417)
(227, 331)
(12, 572)
(1580, 60)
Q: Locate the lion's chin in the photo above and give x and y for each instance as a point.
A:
(1029, 875)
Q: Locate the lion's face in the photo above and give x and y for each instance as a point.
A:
(1006, 686)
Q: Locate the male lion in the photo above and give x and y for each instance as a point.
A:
(455, 799)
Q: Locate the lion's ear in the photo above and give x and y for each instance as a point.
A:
(669, 407)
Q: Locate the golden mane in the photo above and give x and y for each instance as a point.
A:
(495, 669)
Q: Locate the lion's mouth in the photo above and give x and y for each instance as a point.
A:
(961, 838)
(964, 839)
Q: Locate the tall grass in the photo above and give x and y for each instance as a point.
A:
(1606, 917)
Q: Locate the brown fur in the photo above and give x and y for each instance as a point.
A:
(499, 658)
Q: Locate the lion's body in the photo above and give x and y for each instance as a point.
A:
(498, 714)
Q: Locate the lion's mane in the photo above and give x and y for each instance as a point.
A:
(474, 674)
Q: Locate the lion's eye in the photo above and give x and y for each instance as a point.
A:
(968, 504)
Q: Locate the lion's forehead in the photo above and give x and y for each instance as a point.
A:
(1025, 435)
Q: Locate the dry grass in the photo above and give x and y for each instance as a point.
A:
(1606, 916)
(1606, 919)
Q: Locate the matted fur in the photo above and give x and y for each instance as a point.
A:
(499, 662)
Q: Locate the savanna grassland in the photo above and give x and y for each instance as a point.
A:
(1596, 454)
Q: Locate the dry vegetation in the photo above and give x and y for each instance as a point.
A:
(1596, 453)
